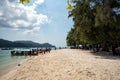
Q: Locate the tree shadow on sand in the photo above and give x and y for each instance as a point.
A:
(105, 55)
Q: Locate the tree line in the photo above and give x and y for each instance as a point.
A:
(95, 22)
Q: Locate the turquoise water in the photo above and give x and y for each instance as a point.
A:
(7, 61)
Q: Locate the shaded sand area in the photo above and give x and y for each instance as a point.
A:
(67, 64)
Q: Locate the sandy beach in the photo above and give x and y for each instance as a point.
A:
(67, 64)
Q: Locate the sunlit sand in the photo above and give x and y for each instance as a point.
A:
(66, 64)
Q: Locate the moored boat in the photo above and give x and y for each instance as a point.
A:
(23, 53)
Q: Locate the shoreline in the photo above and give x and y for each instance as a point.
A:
(66, 64)
(12, 66)
(16, 67)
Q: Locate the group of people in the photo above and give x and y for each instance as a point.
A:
(115, 49)
(41, 51)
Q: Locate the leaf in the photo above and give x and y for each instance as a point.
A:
(28, 1)
(22, 1)
(69, 7)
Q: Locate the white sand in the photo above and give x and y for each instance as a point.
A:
(67, 64)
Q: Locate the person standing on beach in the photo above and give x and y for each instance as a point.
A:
(114, 46)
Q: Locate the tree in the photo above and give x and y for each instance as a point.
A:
(96, 21)
(70, 38)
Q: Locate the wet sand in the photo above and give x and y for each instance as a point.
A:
(67, 64)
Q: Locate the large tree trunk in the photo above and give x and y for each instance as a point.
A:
(105, 46)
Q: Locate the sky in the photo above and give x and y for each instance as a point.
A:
(42, 21)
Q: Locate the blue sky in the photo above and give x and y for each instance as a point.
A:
(40, 21)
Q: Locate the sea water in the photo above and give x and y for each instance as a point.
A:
(7, 61)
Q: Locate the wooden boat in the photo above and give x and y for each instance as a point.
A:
(30, 52)
(23, 53)
(6, 48)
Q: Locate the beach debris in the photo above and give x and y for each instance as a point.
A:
(19, 64)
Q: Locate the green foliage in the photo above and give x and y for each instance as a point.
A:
(70, 38)
(95, 21)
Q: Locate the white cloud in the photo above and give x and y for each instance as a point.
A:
(34, 30)
(1, 13)
(18, 16)
(39, 1)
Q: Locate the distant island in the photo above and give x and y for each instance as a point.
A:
(6, 43)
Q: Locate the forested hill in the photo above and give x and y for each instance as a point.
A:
(7, 43)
